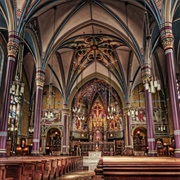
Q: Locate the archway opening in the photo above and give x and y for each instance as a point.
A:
(140, 139)
(53, 141)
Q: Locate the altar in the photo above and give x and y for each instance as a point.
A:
(94, 154)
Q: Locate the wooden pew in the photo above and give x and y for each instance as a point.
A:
(59, 167)
(47, 169)
(139, 168)
(2, 171)
(37, 168)
(19, 170)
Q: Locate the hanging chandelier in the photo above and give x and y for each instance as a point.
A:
(78, 107)
(132, 112)
(49, 112)
(31, 127)
(112, 105)
(153, 84)
(78, 111)
(16, 95)
(151, 81)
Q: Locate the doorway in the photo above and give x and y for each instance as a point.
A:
(53, 141)
(140, 139)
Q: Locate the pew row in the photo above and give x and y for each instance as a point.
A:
(38, 168)
(138, 168)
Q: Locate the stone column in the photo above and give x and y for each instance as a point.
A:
(128, 137)
(68, 135)
(167, 40)
(40, 77)
(125, 131)
(150, 124)
(65, 117)
(12, 47)
(129, 131)
(146, 76)
(43, 139)
(43, 144)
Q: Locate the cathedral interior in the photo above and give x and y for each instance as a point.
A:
(89, 75)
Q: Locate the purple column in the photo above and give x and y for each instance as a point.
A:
(150, 124)
(129, 131)
(64, 134)
(174, 100)
(126, 131)
(40, 76)
(12, 46)
(68, 134)
(167, 39)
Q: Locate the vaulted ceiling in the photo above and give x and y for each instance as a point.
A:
(76, 41)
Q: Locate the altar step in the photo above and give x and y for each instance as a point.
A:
(90, 164)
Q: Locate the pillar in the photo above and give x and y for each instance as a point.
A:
(150, 124)
(66, 131)
(40, 77)
(146, 77)
(43, 144)
(128, 137)
(167, 40)
(43, 139)
(68, 135)
(12, 47)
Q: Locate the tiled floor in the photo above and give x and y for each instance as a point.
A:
(79, 175)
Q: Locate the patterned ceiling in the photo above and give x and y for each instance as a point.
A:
(84, 41)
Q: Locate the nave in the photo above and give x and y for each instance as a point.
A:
(89, 80)
(79, 168)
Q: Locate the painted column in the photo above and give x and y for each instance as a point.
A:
(128, 132)
(40, 77)
(43, 144)
(150, 124)
(43, 139)
(65, 115)
(68, 134)
(167, 40)
(146, 76)
(12, 47)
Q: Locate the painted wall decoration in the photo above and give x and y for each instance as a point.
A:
(116, 123)
(56, 119)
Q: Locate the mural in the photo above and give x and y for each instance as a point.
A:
(90, 111)
(98, 121)
(116, 123)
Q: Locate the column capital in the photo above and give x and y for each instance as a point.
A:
(167, 37)
(40, 77)
(13, 44)
(127, 107)
(146, 72)
(66, 111)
